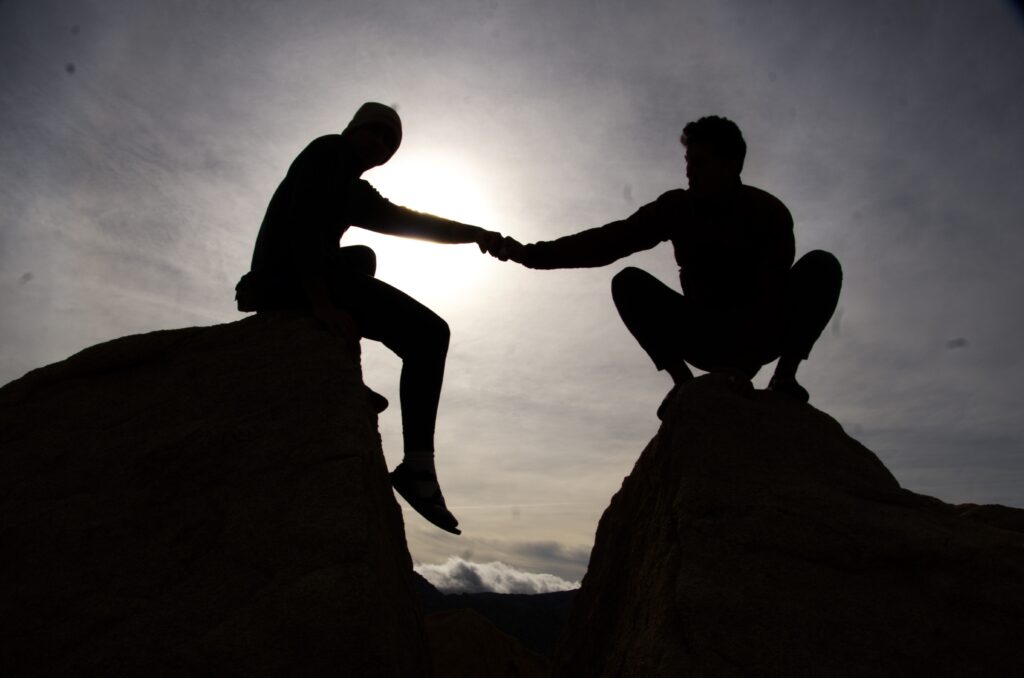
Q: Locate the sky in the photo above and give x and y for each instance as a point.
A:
(140, 142)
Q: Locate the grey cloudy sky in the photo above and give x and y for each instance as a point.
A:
(141, 141)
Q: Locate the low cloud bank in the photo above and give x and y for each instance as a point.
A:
(461, 576)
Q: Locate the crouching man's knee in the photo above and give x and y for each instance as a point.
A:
(358, 259)
(626, 281)
(822, 267)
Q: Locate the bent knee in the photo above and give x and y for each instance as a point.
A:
(425, 338)
(436, 335)
(632, 284)
(360, 259)
(822, 260)
(444, 332)
(822, 265)
(627, 279)
(367, 259)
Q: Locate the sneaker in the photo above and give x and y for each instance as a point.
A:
(421, 491)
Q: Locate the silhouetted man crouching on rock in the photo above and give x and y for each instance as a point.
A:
(297, 263)
(744, 303)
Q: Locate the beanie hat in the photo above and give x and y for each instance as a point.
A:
(372, 113)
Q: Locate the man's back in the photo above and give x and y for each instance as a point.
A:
(320, 196)
(733, 250)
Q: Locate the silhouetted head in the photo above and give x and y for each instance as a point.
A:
(374, 134)
(714, 153)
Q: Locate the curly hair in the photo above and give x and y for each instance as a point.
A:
(720, 133)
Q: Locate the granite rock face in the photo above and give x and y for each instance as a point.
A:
(203, 501)
(755, 538)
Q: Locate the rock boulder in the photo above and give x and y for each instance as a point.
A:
(203, 501)
(755, 538)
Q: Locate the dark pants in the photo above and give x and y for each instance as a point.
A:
(382, 313)
(671, 327)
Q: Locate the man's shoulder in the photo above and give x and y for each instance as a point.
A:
(760, 195)
(325, 156)
(665, 211)
(764, 202)
(327, 145)
(668, 205)
(674, 197)
(325, 141)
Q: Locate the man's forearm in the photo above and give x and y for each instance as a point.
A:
(412, 224)
(587, 249)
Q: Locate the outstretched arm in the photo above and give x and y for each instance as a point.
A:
(381, 216)
(409, 223)
(594, 247)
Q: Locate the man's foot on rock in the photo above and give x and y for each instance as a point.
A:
(378, 402)
(421, 491)
(789, 387)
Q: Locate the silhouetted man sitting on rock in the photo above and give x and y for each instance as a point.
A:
(297, 263)
(742, 304)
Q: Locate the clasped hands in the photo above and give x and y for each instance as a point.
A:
(502, 247)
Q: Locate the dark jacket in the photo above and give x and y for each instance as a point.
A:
(319, 198)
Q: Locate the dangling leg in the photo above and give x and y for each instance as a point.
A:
(360, 260)
(812, 294)
(420, 338)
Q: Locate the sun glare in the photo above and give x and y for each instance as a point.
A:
(438, 185)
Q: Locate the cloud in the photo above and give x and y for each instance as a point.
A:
(461, 576)
(556, 552)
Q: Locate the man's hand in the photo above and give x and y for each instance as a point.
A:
(489, 242)
(512, 249)
(502, 247)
